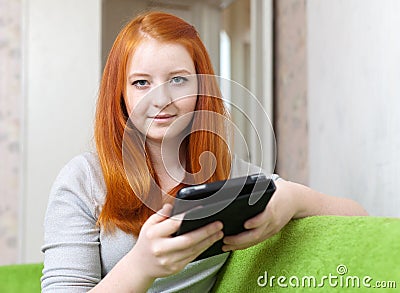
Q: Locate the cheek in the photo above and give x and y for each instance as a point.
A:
(188, 104)
(135, 104)
(137, 117)
(185, 96)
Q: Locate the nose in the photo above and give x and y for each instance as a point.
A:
(162, 96)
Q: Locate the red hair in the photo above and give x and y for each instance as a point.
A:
(123, 207)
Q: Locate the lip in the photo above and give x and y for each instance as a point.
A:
(162, 117)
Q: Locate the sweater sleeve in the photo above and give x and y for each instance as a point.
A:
(71, 241)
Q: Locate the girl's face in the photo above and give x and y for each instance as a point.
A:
(161, 89)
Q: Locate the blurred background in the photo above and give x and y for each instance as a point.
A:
(326, 72)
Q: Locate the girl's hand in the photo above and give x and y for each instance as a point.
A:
(160, 255)
(290, 200)
(279, 211)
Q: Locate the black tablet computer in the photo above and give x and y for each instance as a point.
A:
(231, 201)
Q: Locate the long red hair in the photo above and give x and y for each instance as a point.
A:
(123, 207)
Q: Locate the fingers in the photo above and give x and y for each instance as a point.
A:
(170, 254)
(186, 247)
(246, 239)
(192, 244)
(160, 224)
(194, 251)
(166, 225)
(257, 221)
(193, 238)
(161, 214)
(163, 226)
(169, 226)
(257, 231)
(176, 260)
(260, 228)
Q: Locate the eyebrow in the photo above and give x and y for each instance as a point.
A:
(184, 71)
(179, 71)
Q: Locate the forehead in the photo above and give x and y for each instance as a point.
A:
(152, 54)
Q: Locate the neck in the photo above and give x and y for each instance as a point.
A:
(168, 160)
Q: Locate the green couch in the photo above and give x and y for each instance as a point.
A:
(322, 254)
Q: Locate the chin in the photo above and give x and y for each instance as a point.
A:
(157, 138)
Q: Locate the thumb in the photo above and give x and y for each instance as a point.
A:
(162, 214)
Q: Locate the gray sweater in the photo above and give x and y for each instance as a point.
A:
(78, 253)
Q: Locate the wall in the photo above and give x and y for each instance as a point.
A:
(204, 15)
(236, 23)
(354, 101)
(290, 94)
(62, 69)
(10, 127)
(115, 14)
(248, 24)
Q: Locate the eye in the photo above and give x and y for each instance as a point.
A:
(178, 80)
(141, 83)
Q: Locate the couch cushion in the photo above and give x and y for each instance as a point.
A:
(331, 251)
(20, 278)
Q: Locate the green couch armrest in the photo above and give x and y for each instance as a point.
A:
(323, 254)
(20, 278)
